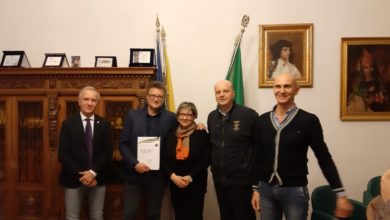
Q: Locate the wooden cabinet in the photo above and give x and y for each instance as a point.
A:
(33, 103)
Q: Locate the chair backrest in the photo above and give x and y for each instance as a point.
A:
(324, 200)
(374, 186)
(373, 189)
(359, 211)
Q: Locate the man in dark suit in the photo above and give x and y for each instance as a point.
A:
(150, 121)
(84, 152)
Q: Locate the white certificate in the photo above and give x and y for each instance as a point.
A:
(144, 57)
(11, 60)
(53, 61)
(148, 151)
(104, 62)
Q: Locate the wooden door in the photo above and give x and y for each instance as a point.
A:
(27, 163)
(4, 161)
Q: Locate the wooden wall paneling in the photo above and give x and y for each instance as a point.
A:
(36, 101)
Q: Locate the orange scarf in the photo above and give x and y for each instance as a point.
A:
(183, 142)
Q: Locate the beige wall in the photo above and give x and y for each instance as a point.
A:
(200, 36)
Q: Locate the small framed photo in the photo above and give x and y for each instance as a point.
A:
(55, 60)
(141, 57)
(15, 59)
(285, 48)
(105, 61)
(75, 61)
(365, 79)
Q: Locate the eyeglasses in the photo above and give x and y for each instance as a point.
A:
(188, 115)
(159, 97)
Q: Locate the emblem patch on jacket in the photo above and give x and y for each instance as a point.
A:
(236, 125)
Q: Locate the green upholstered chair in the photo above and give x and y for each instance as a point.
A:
(324, 200)
(373, 189)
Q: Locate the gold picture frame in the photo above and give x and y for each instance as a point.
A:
(275, 37)
(365, 79)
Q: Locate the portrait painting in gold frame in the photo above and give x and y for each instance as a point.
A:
(285, 48)
(365, 79)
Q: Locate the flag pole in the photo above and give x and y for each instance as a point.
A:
(168, 77)
(163, 35)
(159, 76)
(163, 48)
(237, 41)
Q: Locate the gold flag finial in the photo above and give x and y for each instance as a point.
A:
(163, 35)
(237, 40)
(244, 22)
(157, 24)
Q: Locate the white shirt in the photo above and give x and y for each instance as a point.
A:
(83, 119)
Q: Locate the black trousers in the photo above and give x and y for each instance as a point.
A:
(150, 185)
(187, 206)
(235, 202)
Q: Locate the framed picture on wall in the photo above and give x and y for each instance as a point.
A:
(365, 79)
(285, 48)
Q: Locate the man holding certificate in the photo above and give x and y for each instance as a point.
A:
(143, 132)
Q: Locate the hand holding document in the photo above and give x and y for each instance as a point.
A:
(148, 151)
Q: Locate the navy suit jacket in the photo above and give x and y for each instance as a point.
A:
(134, 127)
(72, 152)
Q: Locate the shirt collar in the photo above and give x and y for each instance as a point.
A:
(227, 112)
(83, 117)
(153, 116)
(289, 112)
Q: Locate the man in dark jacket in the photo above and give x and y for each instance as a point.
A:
(232, 130)
(151, 121)
(84, 152)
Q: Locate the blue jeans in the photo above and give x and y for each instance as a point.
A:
(277, 200)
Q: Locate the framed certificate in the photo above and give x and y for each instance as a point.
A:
(15, 59)
(55, 60)
(148, 151)
(141, 57)
(105, 61)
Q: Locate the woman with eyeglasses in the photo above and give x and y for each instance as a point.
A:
(185, 162)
